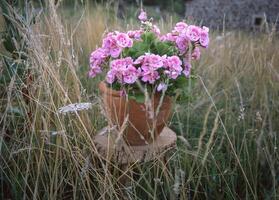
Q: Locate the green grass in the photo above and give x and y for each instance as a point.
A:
(223, 151)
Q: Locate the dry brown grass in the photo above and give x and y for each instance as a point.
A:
(46, 155)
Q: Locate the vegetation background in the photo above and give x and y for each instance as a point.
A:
(227, 144)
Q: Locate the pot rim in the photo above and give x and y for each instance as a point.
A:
(106, 90)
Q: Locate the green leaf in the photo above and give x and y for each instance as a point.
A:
(181, 82)
(148, 37)
(138, 97)
(138, 49)
(165, 48)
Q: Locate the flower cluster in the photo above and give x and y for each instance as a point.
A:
(112, 46)
(123, 71)
(148, 57)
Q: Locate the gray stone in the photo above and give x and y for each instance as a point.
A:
(235, 14)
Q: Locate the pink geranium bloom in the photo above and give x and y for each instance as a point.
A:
(121, 64)
(115, 52)
(168, 37)
(156, 30)
(123, 71)
(204, 37)
(142, 16)
(149, 75)
(182, 43)
(153, 61)
(110, 78)
(110, 45)
(162, 87)
(97, 58)
(193, 33)
(187, 68)
(180, 27)
(123, 40)
(139, 60)
(149, 65)
(109, 41)
(118, 67)
(196, 54)
(99, 54)
(172, 74)
(130, 75)
(174, 62)
(135, 34)
(173, 67)
(94, 71)
(149, 61)
(206, 29)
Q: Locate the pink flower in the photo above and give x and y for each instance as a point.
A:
(128, 61)
(149, 75)
(153, 61)
(149, 61)
(196, 54)
(180, 27)
(113, 43)
(135, 34)
(156, 30)
(123, 71)
(182, 43)
(118, 67)
(173, 67)
(130, 75)
(115, 52)
(168, 37)
(206, 29)
(174, 62)
(162, 87)
(187, 68)
(204, 37)
(123, 40)
(193, 33)
(109, 41)
(139, 60)
(97, 58)
(110, 78)
(94, 71)
(142, 16)
(121, 64)
(99, 54)
(110, 45)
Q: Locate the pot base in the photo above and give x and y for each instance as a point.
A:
(124, 154)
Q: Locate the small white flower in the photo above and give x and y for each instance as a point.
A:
(258, 117)
(54, 133)
(74, 107)
(241, 114)
(158, 181)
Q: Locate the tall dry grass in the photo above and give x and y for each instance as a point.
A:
(227, 144)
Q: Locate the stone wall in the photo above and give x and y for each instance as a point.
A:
(240, 14)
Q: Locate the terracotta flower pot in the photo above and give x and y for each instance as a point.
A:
(142, 127)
